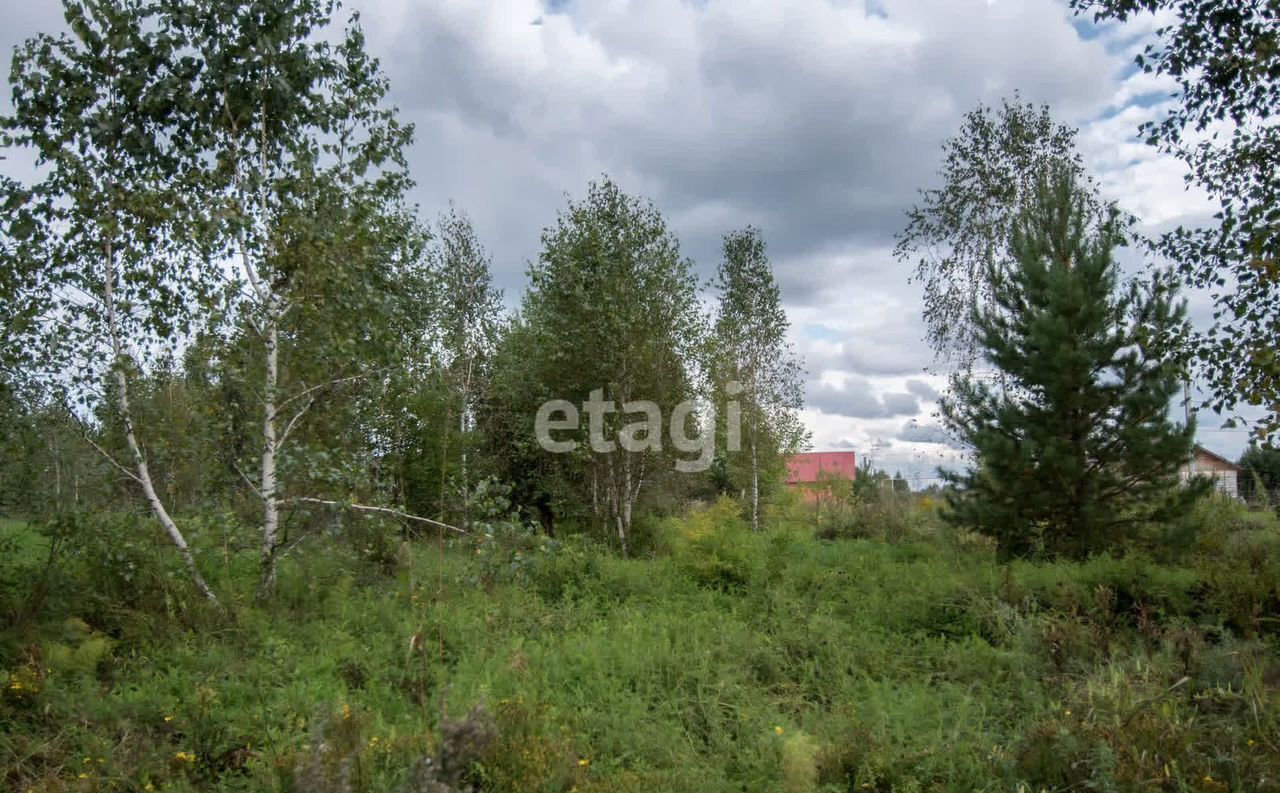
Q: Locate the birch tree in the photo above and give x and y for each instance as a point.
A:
(961, 230)
(470, 317)
(98, 251)
(304, 167)
(1223, 61)
(753, 358)
(612, 310)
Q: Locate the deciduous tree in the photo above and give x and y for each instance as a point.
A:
(612, 310)
(1224, 58)
(303, 165)
(960, 232)
(470, 320)
(100, 272)
(751, 356)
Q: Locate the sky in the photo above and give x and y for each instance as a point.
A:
(816, 120)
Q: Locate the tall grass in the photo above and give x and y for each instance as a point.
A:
(730, 661)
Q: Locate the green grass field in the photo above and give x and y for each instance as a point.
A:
(729, 662)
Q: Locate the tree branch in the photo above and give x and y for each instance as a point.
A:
(247, 480)
(308, 391)
(382, 510)
(84, 435)
(293, 422)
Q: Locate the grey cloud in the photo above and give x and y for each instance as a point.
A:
(899, 404)
(923, 390)
(884, 356)
(858, 399)
(810, 120)
(915, 432)
(814, 121)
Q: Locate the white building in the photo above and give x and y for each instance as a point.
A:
(1226, 474)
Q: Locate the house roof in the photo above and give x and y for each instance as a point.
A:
(806, 467)
(1198, 449)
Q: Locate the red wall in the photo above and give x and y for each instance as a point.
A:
(805, 467)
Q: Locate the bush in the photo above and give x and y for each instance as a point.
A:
(715, 547)
(884, 516)
(564, 568)
(123, 564)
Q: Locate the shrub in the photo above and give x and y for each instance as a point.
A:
(124, 565)
(885, 516)
(799, 764)
(562, 569)
(715, 547)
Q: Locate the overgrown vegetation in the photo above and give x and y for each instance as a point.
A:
(730, 660)
(288, 522)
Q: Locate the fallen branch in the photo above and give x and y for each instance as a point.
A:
(383, 510)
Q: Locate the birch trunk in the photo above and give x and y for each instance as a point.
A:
(143, 474)
(624, 524)
(444, 464)
(57, 475)
(616, 500)
(464, 424)
(755, 487)
(595, 494)
(269, 487)
(626, 502)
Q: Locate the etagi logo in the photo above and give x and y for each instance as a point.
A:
(644, 434)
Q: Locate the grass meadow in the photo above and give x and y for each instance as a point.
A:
(891, 657)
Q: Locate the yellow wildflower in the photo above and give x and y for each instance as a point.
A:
(777, 730)
(346, 712)
(584, 762)
(168, 719)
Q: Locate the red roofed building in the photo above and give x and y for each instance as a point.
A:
(807, 469)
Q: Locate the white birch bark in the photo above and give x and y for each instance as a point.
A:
(755, 486)
(142, 474)
(269, 488)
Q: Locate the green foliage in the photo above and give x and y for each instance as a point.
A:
(732, 660)
(1260, 479)
(961, 230)
(1222, 57)
(714, 546)
(1074, 449)
(611, 308)
(753, 365)
(882, 515)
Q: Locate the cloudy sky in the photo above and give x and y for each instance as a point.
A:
(816, 120)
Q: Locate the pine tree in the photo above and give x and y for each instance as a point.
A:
(1075, 450)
